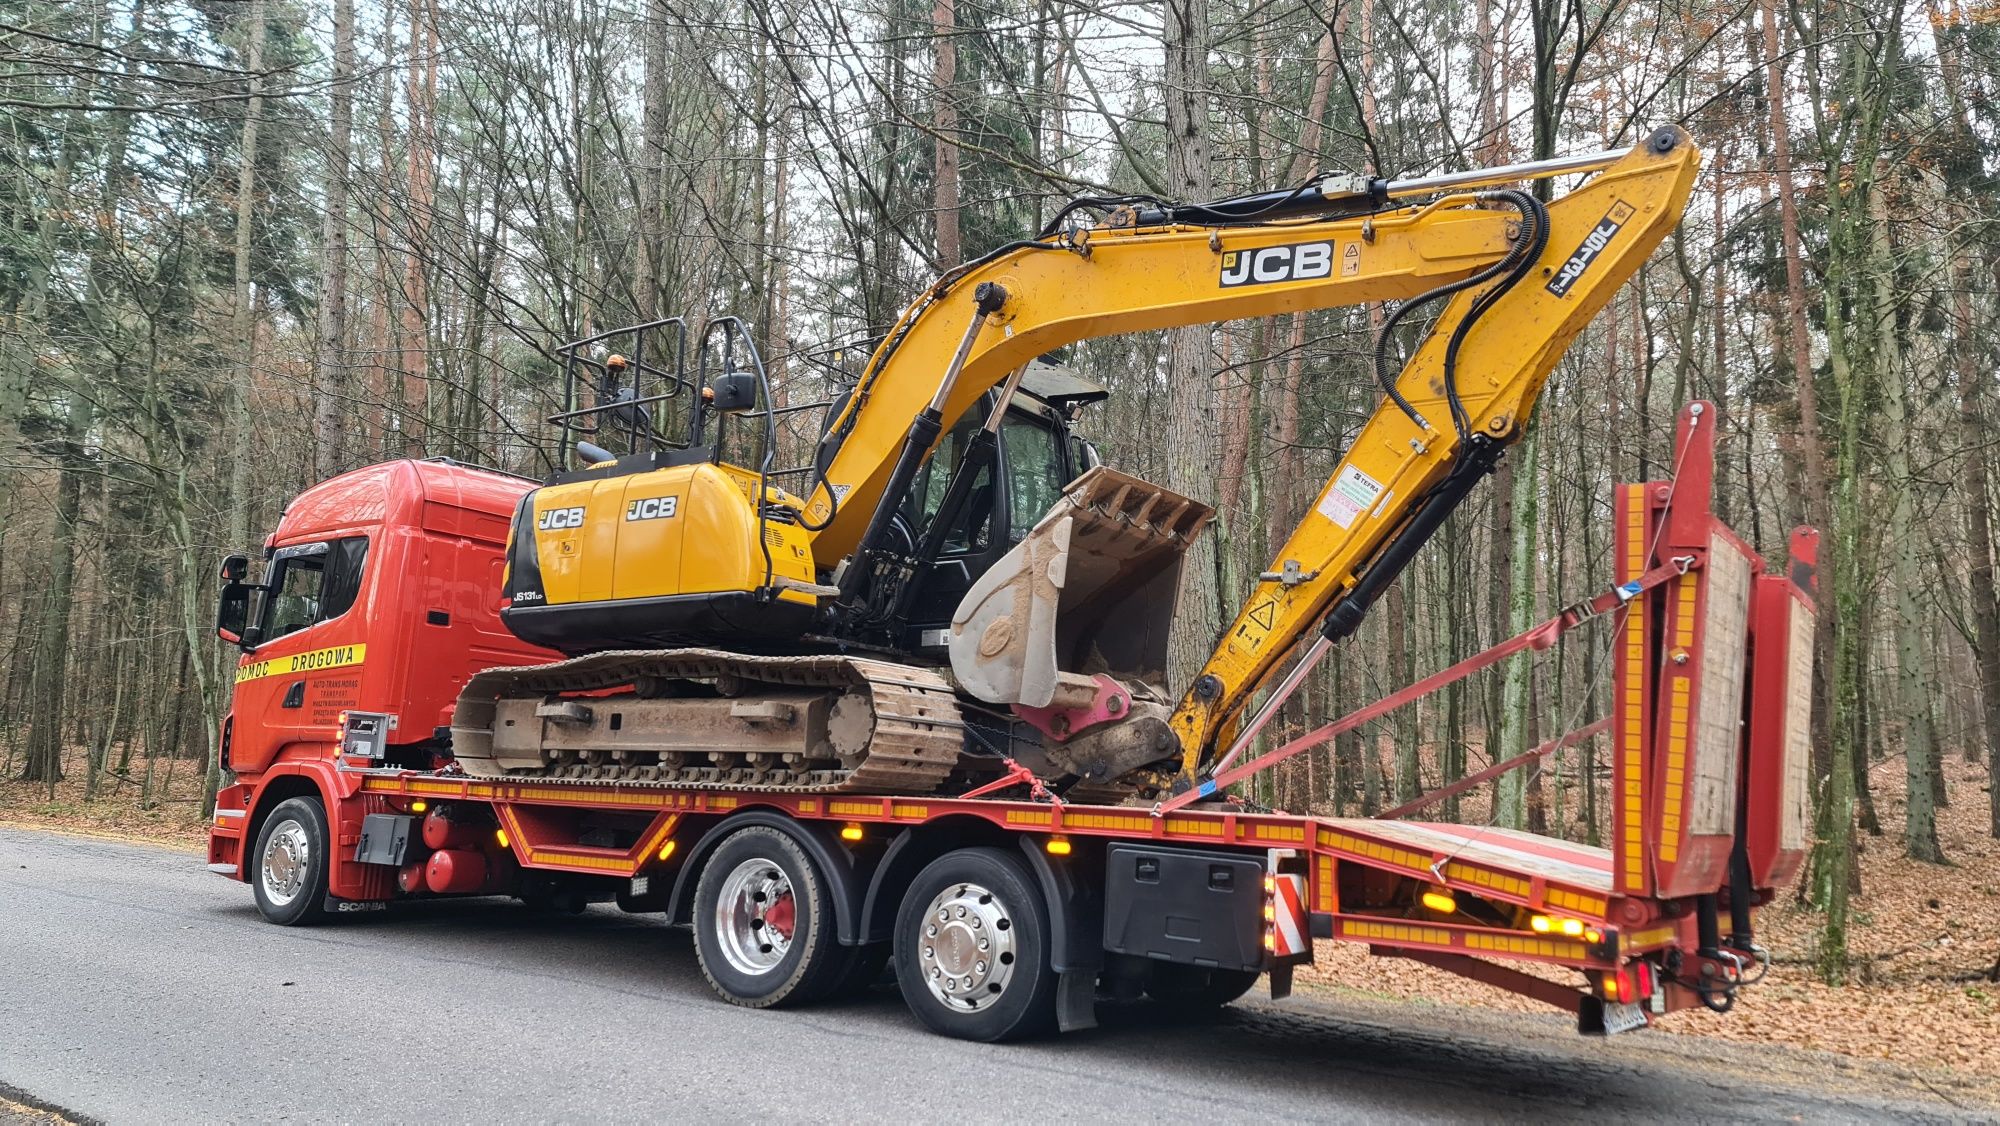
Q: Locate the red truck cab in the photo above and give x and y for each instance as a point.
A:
(380, 593)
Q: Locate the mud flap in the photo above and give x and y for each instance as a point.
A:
(1076, 1000)
(1091, 589)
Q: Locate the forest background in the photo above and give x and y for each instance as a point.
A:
(245, 245)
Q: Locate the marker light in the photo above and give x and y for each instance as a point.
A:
(419, 806)
(1440, 900)
(667, 849)
(1057, 846)
(850, 832)
(501, 836)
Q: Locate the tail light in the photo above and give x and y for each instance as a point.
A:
(1627, 985)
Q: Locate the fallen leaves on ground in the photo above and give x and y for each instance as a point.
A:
(170, 812)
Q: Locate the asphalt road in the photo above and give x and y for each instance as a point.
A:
(137, 987)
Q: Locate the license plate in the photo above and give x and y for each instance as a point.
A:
(1622, 1018)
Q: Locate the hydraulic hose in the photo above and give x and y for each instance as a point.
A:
(1520, 257)
(1527, 250)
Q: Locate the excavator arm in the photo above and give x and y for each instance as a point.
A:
(1517, 280)
(1399, 477)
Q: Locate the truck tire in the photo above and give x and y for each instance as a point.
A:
(972, 948)
(763, 922)
(1192, 989)
(289, 866)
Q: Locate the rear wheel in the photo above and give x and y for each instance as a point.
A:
(1197, 988)
(972, 948)
(763, 925)
(289, 876)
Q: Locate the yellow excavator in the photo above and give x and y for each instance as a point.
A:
(954, 585)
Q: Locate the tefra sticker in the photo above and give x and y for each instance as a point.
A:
(1351, 494)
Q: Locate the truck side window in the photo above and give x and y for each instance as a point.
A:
(295, 596)
(344, 560)
(313, 585)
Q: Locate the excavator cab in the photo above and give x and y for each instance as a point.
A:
(1037, 453)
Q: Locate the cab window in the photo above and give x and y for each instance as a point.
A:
(1035, 476)
(971, 531)
(312, 584)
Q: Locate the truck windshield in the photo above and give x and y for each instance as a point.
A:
(312, 584)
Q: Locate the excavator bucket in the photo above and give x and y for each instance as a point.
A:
(1090, 590)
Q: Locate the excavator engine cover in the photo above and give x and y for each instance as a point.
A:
(1091, 589)
(610, 557)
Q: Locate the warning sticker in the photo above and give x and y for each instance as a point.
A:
(1351, 494)
(1264, 613)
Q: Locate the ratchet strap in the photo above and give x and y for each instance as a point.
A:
(1537, 638)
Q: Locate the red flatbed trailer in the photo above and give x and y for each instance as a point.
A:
(1190, 902)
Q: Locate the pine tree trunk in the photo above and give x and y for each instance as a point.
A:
(1913, 688)
(1191, 431)
(1975, 494)
(238, 398)
(657, 16)
(1812, 454)
(330, 361)
(421, 96)
(944, 120)
(1396, 613)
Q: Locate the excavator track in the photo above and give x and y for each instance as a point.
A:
(914, 743)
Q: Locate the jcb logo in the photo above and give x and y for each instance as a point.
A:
(1301, 261)
(653, 508)
(1587, 251)
(559, 519)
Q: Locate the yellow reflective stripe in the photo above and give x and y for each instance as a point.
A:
(316, 660)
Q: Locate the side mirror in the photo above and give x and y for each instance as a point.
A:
(232, 610)
(734, 392)
(234, 567)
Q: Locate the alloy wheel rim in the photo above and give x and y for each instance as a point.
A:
(756, 917)
(287, 858)
(967, 947)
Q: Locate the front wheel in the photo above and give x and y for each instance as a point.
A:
(972, 948)
(291, 864)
